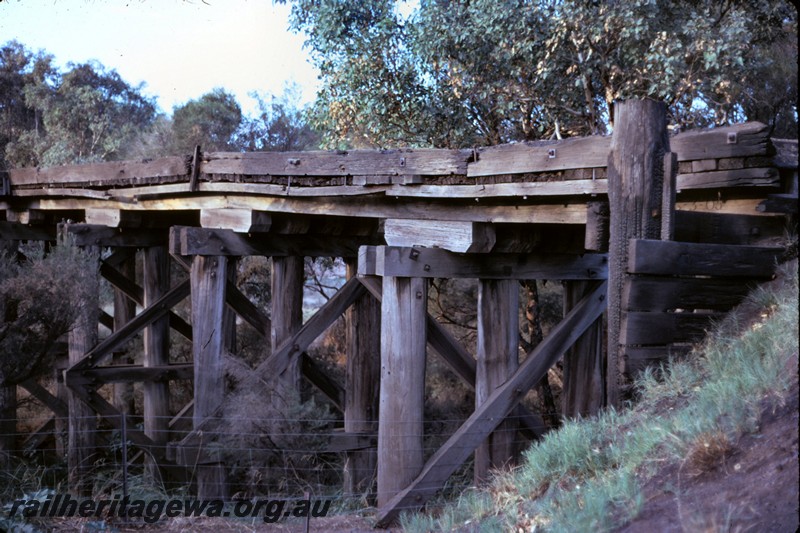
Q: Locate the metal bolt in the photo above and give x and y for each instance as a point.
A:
(551, 153)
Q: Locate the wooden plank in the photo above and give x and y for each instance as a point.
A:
(449, 457)
(449, 235)
(240, 220)
(435, 263)
(99, 173)
(94, 235)
(402, 388)
(663, 328)
(488, 190)
(635, 189)
(187, 240)
(135, 373)
(693, 259)
(402, 162)
(112, 218)
(736, 206)
(497, 358)
(751, 139)
(720, 179)
(648, 293)
(558, 213)
(537, 156)
(722, 228)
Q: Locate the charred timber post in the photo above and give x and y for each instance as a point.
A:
(635, 185)
(403, 343)
(497, 360)
(156, 350)
(363, 336)
(208, 280)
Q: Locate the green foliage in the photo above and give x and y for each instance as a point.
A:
(280, 125)
(39, 301)
(210, 121)
(483, 72)
(84, 115)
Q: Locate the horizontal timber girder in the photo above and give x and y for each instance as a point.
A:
(436, 263)
(295, 347)
(95, 235)
(187, 240)
(460, 361)
(491, 413)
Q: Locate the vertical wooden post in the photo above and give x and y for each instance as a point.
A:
(156, 349)
(362, 386)
(82, 419)
(208, 304)
(584, 391)
(635, 182)
(8, 424)
(497, 360)
(403, 343)
(229, 313)
(124, 311)
(287, 319)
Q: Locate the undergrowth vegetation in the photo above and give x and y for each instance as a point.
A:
(588, 476)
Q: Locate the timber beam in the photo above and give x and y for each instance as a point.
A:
(185, 240)
(96, 235)
(397, 261)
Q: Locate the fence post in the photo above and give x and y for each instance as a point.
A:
(635, 185)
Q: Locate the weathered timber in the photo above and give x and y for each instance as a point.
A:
(93, 235)
(208, 279)
(719, 179)
(402, 388)
(287, 279)
(635, 181)
(82, 420)
(460, 361)
(363, 371)
(497, 359)
(583, 393)
(541, 156)
(134, 292)
(112, 218)
(351, 163)
(436, 263)
(448, 235)
(187, 240)
(485, 419)
(317, 376)
(499, 190)
(779, 203)
(597, 229)
(124, 311)
(649, 293)
(240, 220)
(25, 216)
(135, 373)
(152, 313)
(156, 282)
(58, 406)
(741, 140)
(13, 231)
(121, 172)
(694, 259)
(669, 195)
(733, 206)
(551, 213)
(39, 436)
(718, 228)
(663, 328)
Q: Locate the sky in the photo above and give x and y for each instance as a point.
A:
(180, 49)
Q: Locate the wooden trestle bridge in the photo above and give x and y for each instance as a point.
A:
(655, 230)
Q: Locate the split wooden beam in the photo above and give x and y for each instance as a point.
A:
(98, 174)
(454, 236)
(436, 263)
(497, 406)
